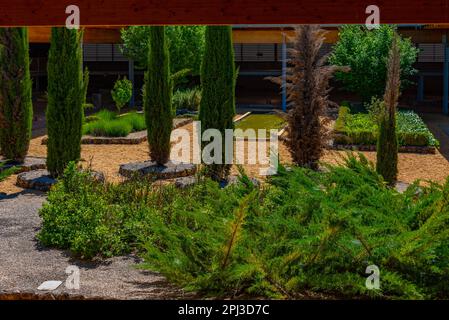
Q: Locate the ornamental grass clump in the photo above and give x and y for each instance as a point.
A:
(307, 87)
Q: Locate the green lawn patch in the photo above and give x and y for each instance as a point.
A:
(361, 129)
(108, 124)
(260, 121)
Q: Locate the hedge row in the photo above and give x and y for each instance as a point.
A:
(360, 129)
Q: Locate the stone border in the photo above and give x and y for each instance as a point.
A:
(402, 149)
(242, 116)
(171, 170)
(132, 138)
(30, 163)
(42, 181)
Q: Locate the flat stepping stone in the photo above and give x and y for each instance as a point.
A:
(36, 179)
(42, 181)
(49, 285)
(185, 182)
(30, 163)
(170, 170)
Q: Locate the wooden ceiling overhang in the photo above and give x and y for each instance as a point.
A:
(188, 12)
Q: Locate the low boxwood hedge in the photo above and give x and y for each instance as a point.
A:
(361, 129)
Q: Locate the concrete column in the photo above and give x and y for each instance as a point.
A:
(445, 76)
(284, 74)
(420, 96)
(131, 78)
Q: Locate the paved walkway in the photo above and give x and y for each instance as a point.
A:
(24, 264)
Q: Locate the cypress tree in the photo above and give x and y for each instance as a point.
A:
(65, 99)
(218, 76)
(16, 109)
(387, 142)
(157, 97)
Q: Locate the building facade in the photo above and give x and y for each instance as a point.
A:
(260, 51)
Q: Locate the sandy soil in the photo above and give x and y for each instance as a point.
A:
(107, 159)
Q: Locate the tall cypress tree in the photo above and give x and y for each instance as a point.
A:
(65, 99)
(157, 97)
(16, 109)
(387, 143)
(218, 76)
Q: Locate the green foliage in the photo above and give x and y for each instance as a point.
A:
(5, 173)
(107, 124)
(185, 43)
(218, 77)
(366, 52)
(16, 109)
(187, 99)
(375, 109)
(76, 218)
(157, 97)
(305, 233)
(387, 147)
(66, 95)
(122, 92)
(362, 129)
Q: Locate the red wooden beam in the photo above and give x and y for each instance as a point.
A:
(140, 12)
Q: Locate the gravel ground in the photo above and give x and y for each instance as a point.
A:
(24, 264)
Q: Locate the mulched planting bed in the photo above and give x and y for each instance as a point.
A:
(132, 138)
(30, 163)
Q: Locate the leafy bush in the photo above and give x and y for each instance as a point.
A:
(307, 233)
(107, 124)
(157, 96)
(122, 92)
(137, 121)
(114, 128)
(66, 95)
(5, 173)
(304, 233)
(16, 109)
(375, 108)
(187, 99)
(361, 128)
(366, 53)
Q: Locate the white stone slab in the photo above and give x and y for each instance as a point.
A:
(49, 285)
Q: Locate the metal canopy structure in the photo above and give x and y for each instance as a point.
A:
(165, 12)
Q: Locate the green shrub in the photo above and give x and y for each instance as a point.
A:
(16, 109)
(5, 173)
(107, 124)
(361, 129)
(218, 77)
(106, 115)
(341, 120)
(157, 99)
(366, 53)
(187, 99)
(76, 218)
(137, 121)
(122, 92)
(305, 233)
(375, 109)
(114, 128)
(66, 95)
